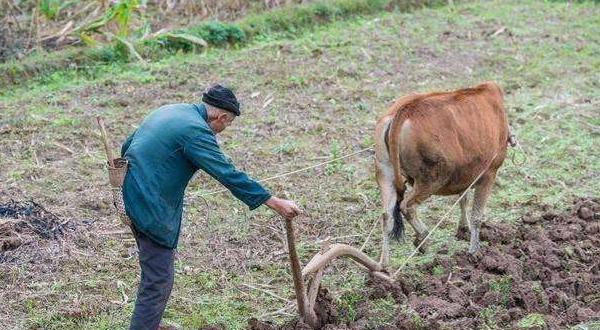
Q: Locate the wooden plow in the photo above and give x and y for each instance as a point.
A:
(306, 296)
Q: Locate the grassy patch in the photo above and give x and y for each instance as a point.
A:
(282, 22)
(532, 321)
(503, 286)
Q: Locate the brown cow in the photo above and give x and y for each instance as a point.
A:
(439, 143)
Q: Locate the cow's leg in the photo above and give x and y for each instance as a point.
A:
(419, 193)
(463, 225)
(389, 198)
(390, 187)
(482, 192)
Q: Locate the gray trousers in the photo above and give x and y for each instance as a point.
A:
(157, 264)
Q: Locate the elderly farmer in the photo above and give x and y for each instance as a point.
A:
(170, 145)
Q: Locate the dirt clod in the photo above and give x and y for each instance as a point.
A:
(542, 266)
(546, 265)
(324, 308)
(585, 213)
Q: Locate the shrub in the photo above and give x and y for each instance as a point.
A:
(532, 321)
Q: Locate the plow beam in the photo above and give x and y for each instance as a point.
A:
(306, 296)
(323, 258)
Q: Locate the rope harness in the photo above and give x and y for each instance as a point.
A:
(444, 217)
(511, 141)
(294, 172)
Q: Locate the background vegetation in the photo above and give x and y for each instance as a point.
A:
(123, 31)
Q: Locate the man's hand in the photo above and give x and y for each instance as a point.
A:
(283, 207)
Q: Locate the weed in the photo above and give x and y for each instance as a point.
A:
(502, 285)
(334, 152)
(532, 321)
(288, 147)
(437, 270)
(347, 305)
(488, 318)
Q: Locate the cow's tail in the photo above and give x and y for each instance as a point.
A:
(397, 232)
(393, 148)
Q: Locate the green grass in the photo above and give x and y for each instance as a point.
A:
(503, 286)
(285, 22)
(327, 87)
(532, 321)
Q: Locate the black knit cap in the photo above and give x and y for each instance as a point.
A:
(222, 98)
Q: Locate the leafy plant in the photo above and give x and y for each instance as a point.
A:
(218, 33)
(49, 8)
(532, 321)
(502, 286)
(200, 36)
(348, 305)
(119, 13)
(288, 147)
(334, 151)
(488, 318)
(52, 8)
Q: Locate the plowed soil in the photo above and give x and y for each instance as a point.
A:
(547, 265)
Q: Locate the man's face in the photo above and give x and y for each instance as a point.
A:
(221, 122)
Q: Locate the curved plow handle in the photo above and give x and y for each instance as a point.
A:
(321, 259)
(307, 313)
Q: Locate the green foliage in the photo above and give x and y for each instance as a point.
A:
(292, 19)
(417, 322)
(348, 304)
(52, 8)
(218, 33)
(503, 286)
(210, 33)
(532, 321)
(488, 318)
(49, 8)
(288, 147)
(108, 54)
(595, 325)
(334, 152)
(384, 311)
(437, 270)
(285, 21)
(120, 13)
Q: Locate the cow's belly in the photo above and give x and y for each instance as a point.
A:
(451, 190)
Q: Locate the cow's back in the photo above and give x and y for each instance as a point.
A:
(449, 138)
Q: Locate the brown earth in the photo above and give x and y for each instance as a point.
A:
(547, 265)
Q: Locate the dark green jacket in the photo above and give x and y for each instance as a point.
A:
(171, 144)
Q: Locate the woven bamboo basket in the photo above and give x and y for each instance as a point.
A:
(117, 169)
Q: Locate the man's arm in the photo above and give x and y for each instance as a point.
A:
(204, 152)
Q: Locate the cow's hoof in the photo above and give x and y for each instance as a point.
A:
(384, 267)
(474, 249)
(462, 233)
(418, 240)
(384, 264)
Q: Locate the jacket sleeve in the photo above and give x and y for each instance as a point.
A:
(126, 144)
(204, 152)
